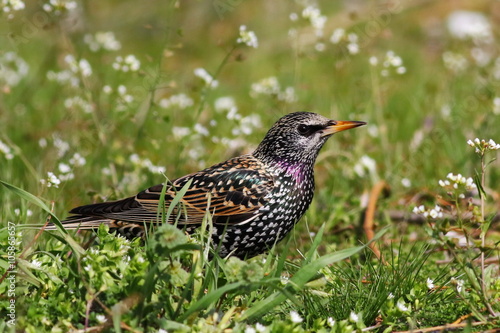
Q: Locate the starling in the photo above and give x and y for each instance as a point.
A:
(254, 199)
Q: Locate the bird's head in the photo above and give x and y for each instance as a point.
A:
(298, 137)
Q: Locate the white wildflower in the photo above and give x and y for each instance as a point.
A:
(180, 132)
(36, 263)
(330, 321)
(61, 146)
(8, 6)
(4, 149)
(206, 77)
(406, 182)
(78, 103)
(199, 128)
(470, 25)
(247, 37)
(12, 68)
(64, 168)
(313, 14)
(260, 328)
(224, 104)
(102, 40)
(392, 62)
(401, 305)
(101, 319)
(430, 283)
(59, 6)
(128, 64)
(496, 105)
(365, 163)
(337, 36)
(295, 317)
(107, 89)
(81, 66)
(51, 181)
(179, 101)
(77, 160)
(353, 317)
(250, 329)
(42, 142)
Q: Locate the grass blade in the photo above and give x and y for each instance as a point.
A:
(303, 275)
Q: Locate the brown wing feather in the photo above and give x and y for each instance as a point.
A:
(236, 190)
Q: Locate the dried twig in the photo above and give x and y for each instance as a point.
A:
(368, 224)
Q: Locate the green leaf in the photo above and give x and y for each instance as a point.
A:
(301, 277)
(316, 242)
(480, 189)
(210, 298)
(77, 249)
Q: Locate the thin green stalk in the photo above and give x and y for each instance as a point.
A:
(206, 90)
(483, 241)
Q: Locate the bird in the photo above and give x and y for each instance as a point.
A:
(254, 199)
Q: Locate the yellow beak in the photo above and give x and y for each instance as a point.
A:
(340, 126)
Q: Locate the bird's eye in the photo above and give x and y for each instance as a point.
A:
(304, 129)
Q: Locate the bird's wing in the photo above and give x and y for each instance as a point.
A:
(232, 192)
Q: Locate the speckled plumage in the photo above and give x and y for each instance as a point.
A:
(255, 199)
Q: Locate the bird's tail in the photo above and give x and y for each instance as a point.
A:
(128, 230)
(82, 222)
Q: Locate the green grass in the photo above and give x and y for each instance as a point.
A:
(419, 123)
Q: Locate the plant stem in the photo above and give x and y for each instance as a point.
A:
(483, 240)
(205, 92)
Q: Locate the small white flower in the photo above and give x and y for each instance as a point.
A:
(260, 328)
(353, 317)
(353, 48)
(430, 283)
(129, 63)
(179, 101)
(102, 40)
(406, 182)
(6, 151)
(36, 263)
(373, 61)
(313, 14)
(224, 104)
(401, 305)
(51, 181)
(337, 36)
(199, 128)
(496, 102)
(470, 25)
(247, 37)
(101, 319)
(391, 296)
(77, 160)
(295, 317)
(250, 329)
(206, 77)
(180, 132)
(64, 168)
(12, 68)
(330, 321)
(459, 284)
